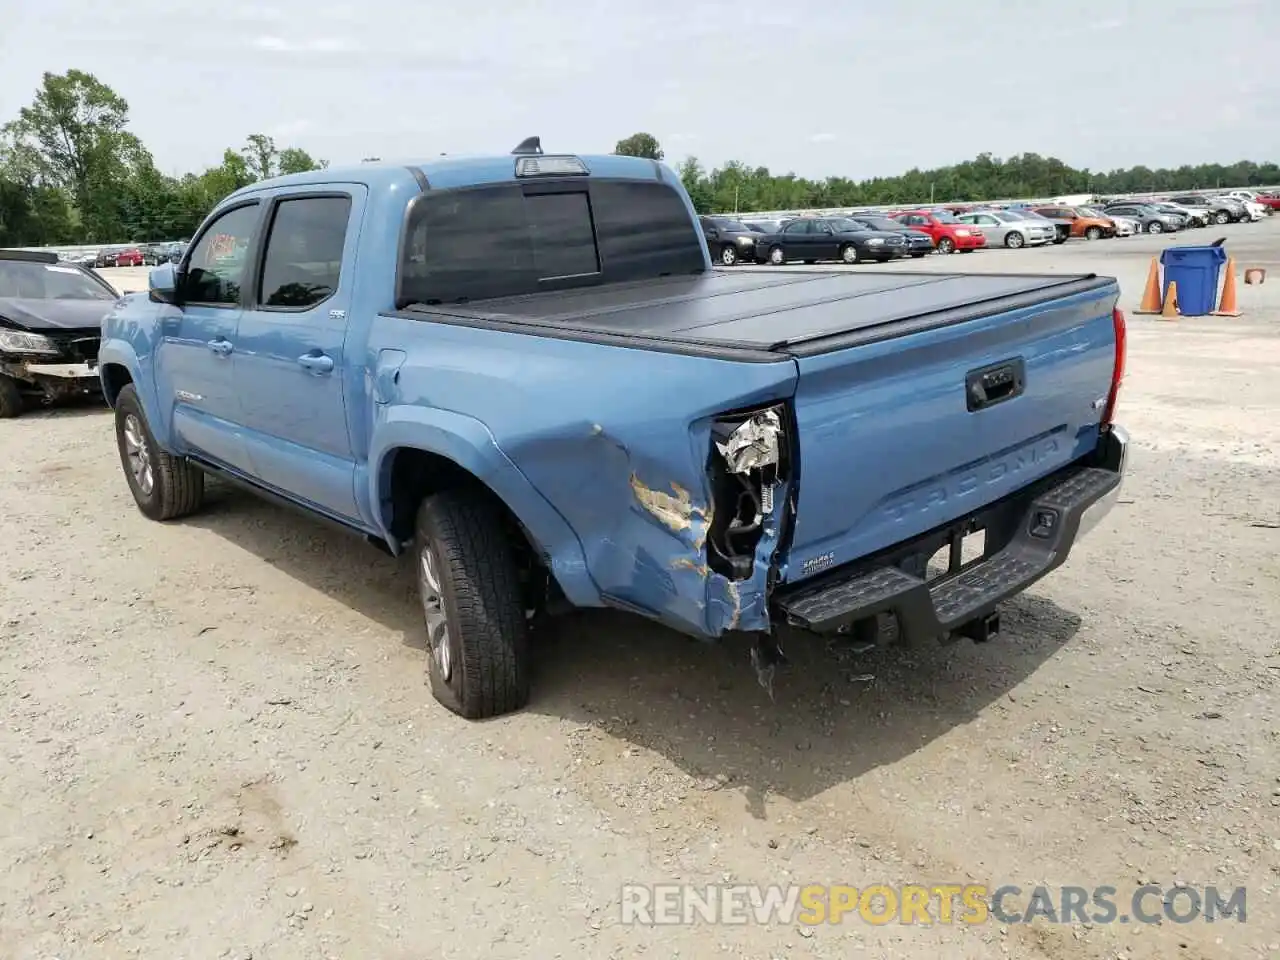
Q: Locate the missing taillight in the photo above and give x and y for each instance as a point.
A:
(1117, 372)
(747, 462)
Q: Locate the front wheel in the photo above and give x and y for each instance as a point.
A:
(164, 487)
(728, 255)
(1013, 240)
(946, 245)
(1093, 233)
(917, 256)
(1221, 217)
(469, 585)
(11, 404)
(776, 256)
(849, 254)
(1155, 227)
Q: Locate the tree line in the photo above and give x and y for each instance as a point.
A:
(72, 172)
(739, 187)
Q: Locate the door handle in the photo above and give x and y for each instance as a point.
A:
(221, 347)
(316, 363)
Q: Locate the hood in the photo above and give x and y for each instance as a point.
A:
(54, 314)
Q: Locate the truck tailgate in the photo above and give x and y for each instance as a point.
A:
(899, 436)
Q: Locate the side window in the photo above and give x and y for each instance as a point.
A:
(796, 227)
(216, 268)
(303, 260)
(823, 228)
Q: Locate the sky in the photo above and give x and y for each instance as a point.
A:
(854, 88)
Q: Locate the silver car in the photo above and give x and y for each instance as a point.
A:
(1009, 229)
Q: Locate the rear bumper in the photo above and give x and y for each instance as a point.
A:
(1028, 535)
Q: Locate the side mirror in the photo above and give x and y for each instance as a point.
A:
(162, 284)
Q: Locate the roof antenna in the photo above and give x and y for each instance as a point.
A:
(529, 145)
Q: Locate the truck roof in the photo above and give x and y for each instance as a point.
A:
(461, 171)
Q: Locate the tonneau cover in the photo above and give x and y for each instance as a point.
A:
(770, 309)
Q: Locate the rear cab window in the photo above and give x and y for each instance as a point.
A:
(511, 239)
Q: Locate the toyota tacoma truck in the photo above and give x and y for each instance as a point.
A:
(523, 372)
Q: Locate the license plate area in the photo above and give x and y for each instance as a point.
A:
(965, 547)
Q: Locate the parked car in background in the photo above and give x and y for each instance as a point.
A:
(1254, 201)
(1150, 220)
(1125, 227)
(129, 257)
(919, 244)
(1239, 209)
(1220, 211)
(728, 240)
(1270, 201)
(1009, 228)
(811, 239)
(1088, 226)
(50, 327)
(1061, 228)
(1193, 217)
(948, 233)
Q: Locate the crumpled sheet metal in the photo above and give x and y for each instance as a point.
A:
(753, 444)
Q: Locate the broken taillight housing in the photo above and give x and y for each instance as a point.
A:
(747, 461)
(1117, 372)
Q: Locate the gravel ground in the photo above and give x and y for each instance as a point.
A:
(218, 741)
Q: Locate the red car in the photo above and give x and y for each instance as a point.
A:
(1269, 200)
(948, 233)
(132, 257)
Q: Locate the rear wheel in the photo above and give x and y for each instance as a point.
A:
(472, 604)
(776, 256)
(946, 245)
(1013, 240)
(10, 398)
(1093, 233)
(728, 255)
(164, 487)
(849, 253)
(1221, 217)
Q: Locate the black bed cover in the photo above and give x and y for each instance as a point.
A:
(769, 310)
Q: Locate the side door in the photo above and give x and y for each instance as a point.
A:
(923, 224)
(291, 364)
(795, 239)
(195, 351)
(824, 246)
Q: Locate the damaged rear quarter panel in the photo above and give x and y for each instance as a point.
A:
(617, 440)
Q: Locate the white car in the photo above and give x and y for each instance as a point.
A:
(1124, 226)
(1255, 209)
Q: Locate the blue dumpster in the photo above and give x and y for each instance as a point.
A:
(1195, 270)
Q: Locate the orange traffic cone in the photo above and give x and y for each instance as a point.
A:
(1227, 307)
(1151, 296)
(1170, 310)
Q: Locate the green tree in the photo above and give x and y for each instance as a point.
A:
(296, 160)
(75, 138)
(260, 156)
(639, 145)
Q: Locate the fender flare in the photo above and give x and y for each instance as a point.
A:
(121, 353)
(467, 442)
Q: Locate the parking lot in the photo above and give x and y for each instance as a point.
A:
(219, 743)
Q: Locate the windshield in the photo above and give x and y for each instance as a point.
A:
(47, 281)
(731, 225)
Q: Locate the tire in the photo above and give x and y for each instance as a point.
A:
(1014, 240)
(917, 256)
(776, 256)
(728, 255)
(176, 485)
(1155, 226)
(810, 263)
(11, 404)
(849, 254)
(1093, 233)
(1060, 237)
(477, 632)
(1221, 217)
(946, 245)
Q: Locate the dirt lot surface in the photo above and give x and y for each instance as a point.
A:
(217, 740)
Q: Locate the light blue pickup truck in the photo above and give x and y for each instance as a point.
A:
(524, 370)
